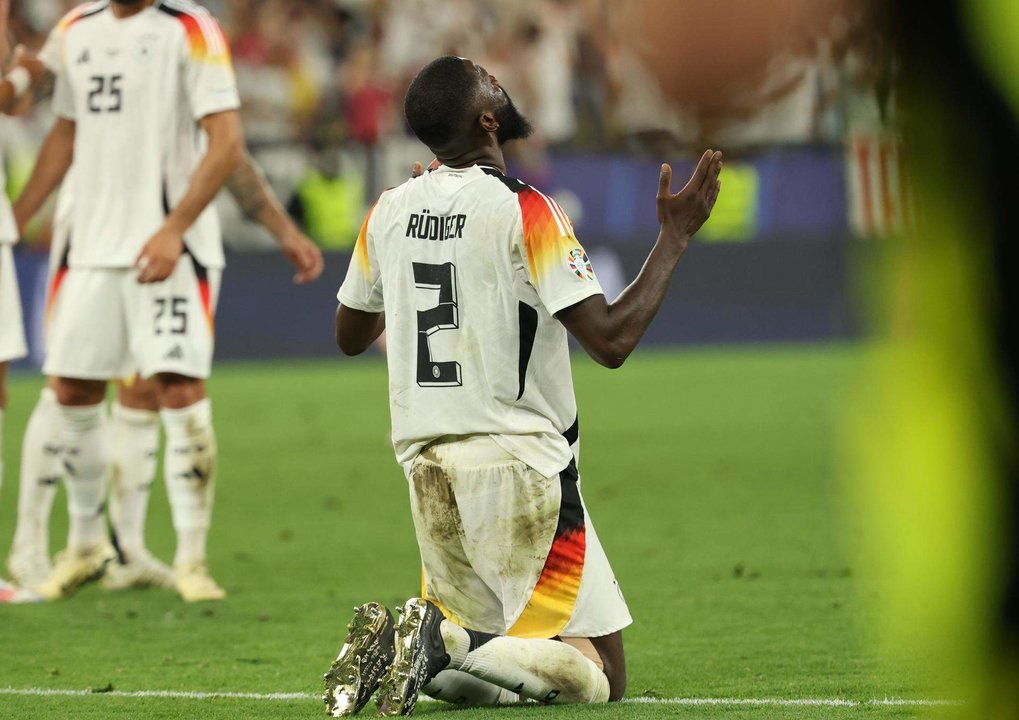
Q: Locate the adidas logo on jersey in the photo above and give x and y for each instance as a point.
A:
(175, 353)
(84, 57)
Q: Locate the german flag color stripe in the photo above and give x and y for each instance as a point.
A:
(80, 12)
(555, 594)
(548, 233)
(361, 245)
(205, 38)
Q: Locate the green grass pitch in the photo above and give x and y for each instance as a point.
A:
(710, 475)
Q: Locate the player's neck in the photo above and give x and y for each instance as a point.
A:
(125, 10)
(477, 156)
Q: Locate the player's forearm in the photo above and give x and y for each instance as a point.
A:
(257, 201)
(610, 332)
(630, 315)
(54, 160)
(226, 150)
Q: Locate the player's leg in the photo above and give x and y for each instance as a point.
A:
(190, 473)
(135, 424)
(41, 465)
(537, 669)
(12, 331)
(86, 345)
(9, 593)
(41, 471)
(570, 591)
(85, 453)
(172, 338)
(3, 408)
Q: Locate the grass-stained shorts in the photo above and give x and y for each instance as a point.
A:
(506, 550)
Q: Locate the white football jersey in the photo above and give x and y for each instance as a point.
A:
(136, 88)
(470, 267)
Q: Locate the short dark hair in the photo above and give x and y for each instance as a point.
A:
(438, 99)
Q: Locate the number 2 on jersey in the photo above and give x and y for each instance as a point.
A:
(444, 316)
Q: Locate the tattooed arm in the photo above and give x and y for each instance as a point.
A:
(257, 201)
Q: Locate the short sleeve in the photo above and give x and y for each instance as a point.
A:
(50, 53)
(362, 288)
(209, 76)
(558, 266)
(52, 56)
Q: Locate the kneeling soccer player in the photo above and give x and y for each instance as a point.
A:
(476, 277)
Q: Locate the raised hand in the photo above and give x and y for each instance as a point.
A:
(681, 215)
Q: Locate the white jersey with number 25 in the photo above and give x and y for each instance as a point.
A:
(136, 88)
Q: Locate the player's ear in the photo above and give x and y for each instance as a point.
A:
(488, 121)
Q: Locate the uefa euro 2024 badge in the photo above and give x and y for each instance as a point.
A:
(580, 265)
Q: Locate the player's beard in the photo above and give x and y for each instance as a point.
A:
(512, 125)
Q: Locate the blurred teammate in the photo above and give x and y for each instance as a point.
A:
(476, 277)
(25, 72)
(147, 107)
(134, 426)
(134, 419)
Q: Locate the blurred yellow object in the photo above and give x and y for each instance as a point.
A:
(925, 429)
(734, 217)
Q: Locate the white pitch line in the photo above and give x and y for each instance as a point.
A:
(298, 696)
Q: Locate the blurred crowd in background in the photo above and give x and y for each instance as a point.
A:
(322, 83)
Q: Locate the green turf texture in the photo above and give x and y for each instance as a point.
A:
(711, 477)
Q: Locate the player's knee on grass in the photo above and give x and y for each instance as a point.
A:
(74, 392)
(179, 391)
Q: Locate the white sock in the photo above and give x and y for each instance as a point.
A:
(86, 461)
(190, 472)
(459, 688)
(41, 471)
(135, 442)
(542, 670)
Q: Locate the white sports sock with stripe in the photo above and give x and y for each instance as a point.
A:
(86, 462)
(543, 670)
(190, 472)
(135, 436)
(460, 688)
(41, 471)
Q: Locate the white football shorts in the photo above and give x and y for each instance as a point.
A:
(102, 324)
(12, 326)
(507, 550)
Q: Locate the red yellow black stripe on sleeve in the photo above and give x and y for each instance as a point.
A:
(555, 594)
(548, 232)
(361, 245)
(206, 40)
(82, 11)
